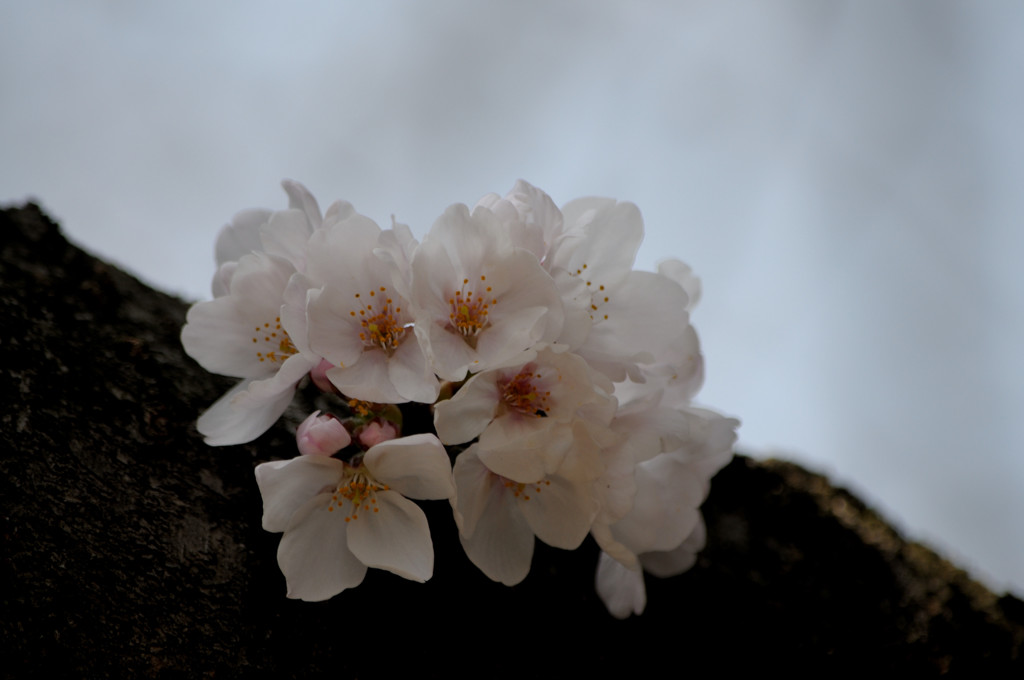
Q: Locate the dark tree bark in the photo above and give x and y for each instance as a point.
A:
(131, 549)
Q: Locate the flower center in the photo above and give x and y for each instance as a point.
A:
(523, 491)
(522, 395)
(357, 492)
(380, 320)
(598, 295)
(276, 338)
(468, 312)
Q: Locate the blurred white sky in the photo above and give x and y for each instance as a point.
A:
(845, 177)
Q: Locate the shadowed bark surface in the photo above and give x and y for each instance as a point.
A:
(131, 549)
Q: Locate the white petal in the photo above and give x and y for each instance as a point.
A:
(293, 313)
(333, 334)
(524, 448)
(497, 540)
(558, 510)
(684, 276)
(287, 485)
(300, 198)
(450, 356)
(227, 335)
(396, 247)
(707, 439)
(520, 282)
(600, 241)
(469, 239)
(221, 284)
(366, 379)
(410, 372)
(251, 407)
(512, 332)
(621, 589)
(680, 368)
(341, 253)
(665, 509)
(467, 414)
(227, 423)
(337, 211)
(540, 220)
(258, 285)
(241, 236)
(473, 484)
(314, 554)
(288, 375)
(215, 335)
(393, 534)
(674, 562)
(285, 235)
(645, 313)
(415, 466)
(603, 537)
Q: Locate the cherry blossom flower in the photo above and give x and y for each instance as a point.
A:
(622, 589)
(498, 517)
(339, 518)
(241, 335)
(662, 530)
(479, 301)
(630, 316)
(525, 415)
(355, 316)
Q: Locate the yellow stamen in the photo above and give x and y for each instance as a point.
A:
(383, 328)
(469, 313)
(358, 488)
(281, 345)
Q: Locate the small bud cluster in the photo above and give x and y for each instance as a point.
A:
(558, 379)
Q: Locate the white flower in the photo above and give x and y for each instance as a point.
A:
(479, 301)
(631, 316)
(525, 415)
(357, 317)
(499, 517)
(339, 519)
(634, 323)
(676, 449)
(240, 334)
(622, 589)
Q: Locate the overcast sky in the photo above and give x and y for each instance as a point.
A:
(846, 177)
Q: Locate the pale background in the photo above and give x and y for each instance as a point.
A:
(845, 177)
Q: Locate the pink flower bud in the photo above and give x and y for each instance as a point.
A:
(375, 433)
(322, 435)
(319, 376)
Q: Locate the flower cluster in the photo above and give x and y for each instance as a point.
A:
(558, 379)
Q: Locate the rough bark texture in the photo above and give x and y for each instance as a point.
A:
(131, 549)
